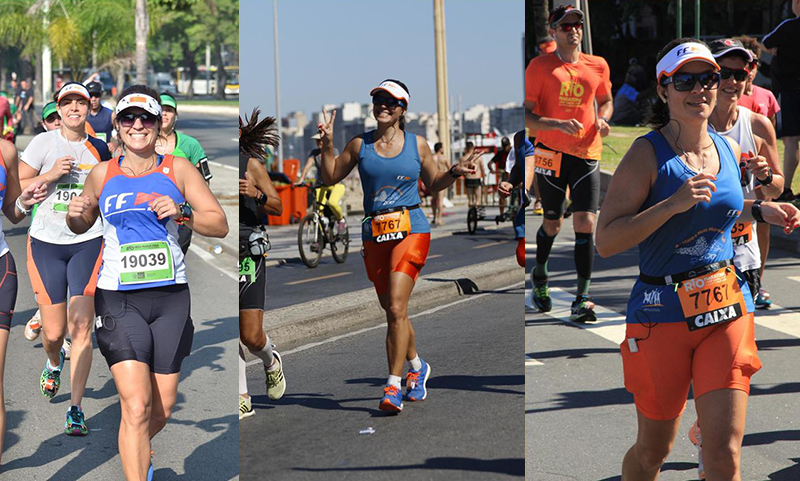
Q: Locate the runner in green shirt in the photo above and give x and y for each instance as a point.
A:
(170, 141)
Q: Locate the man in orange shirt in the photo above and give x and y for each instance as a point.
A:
(561, 88)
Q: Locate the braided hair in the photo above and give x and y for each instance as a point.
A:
(256, 135)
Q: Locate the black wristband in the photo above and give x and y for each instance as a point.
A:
(262, 200)
(756, 211)
(452, 174)
(768, 180)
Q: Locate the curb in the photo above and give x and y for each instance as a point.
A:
(326, 317)
(777, 238)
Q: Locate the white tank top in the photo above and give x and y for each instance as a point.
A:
(745, 242)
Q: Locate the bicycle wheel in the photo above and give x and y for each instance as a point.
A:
(340, 245)
(472, 220)
(309, 240)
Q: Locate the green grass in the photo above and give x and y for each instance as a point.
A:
(620, 139)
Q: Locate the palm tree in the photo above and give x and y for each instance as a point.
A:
(142, 24)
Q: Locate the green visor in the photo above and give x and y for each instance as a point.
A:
(48, 109)
(169, 101)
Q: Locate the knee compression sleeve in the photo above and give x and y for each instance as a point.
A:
(584, 258)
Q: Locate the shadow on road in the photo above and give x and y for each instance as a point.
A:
(511, 466)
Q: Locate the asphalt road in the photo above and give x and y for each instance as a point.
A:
(293, 282)
(201, 440)
(579, 418)
(468, 428)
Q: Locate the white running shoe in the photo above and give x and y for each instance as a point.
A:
(276, 383)
(67, 347)
(34, 327)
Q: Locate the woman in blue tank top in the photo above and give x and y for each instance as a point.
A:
(145, 329)
(676, 194)
(395, 231)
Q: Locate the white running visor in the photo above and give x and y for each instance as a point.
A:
(680, 55)
(143, 101)
(75, 88)
(392, 89)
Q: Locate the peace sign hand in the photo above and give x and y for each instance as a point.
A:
(326, 126)
(468, 164)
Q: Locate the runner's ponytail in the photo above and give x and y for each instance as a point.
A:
(257, 135)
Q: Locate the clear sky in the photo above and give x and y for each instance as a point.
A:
(335, 51)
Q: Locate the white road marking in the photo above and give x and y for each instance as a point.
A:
(529, 361)
(380, 326)
(794, 278)
(224, 166)
(610, 325)
(434, 256)
(208, 257)
(320, 278)
(490, 244)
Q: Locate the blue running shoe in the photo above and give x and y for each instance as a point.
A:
(150, 472)
(416, 382)
(762, 300)
(75, 425)
(392, 400)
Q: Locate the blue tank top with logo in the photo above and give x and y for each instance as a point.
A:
(691, 239)
(391, 182)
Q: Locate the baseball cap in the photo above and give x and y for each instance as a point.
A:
(393, 89)
(558, 14)
(94, 88)
(143, 101)
(680, 55)
(169, 100)
(48, 109)
(724, 46)
(73, 88)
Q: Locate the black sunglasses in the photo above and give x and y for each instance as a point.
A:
(95, 94)
(683, 82)
(148, 120)
(738, 75)
(387, 101)
(52, 118)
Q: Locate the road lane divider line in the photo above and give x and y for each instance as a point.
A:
(224, 166)
(434, 256)
(779, 319)
(320, 278)
(610, 324)
(794, 278)
(490, 244)
(206, 256)
(426, 312)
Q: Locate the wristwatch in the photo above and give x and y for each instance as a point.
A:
(766, 181)
(262, 199)
(756, 210)
(186, 213)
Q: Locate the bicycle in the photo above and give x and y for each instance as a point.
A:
(318, 229)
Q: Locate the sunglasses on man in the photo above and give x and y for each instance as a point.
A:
(567, 27)
(683, 82)
(148, 120)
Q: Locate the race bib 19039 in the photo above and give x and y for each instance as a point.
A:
(142, 262)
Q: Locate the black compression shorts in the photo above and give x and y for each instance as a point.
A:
(151, 325)
(583, 178)
(8, 289)
(253, 283)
